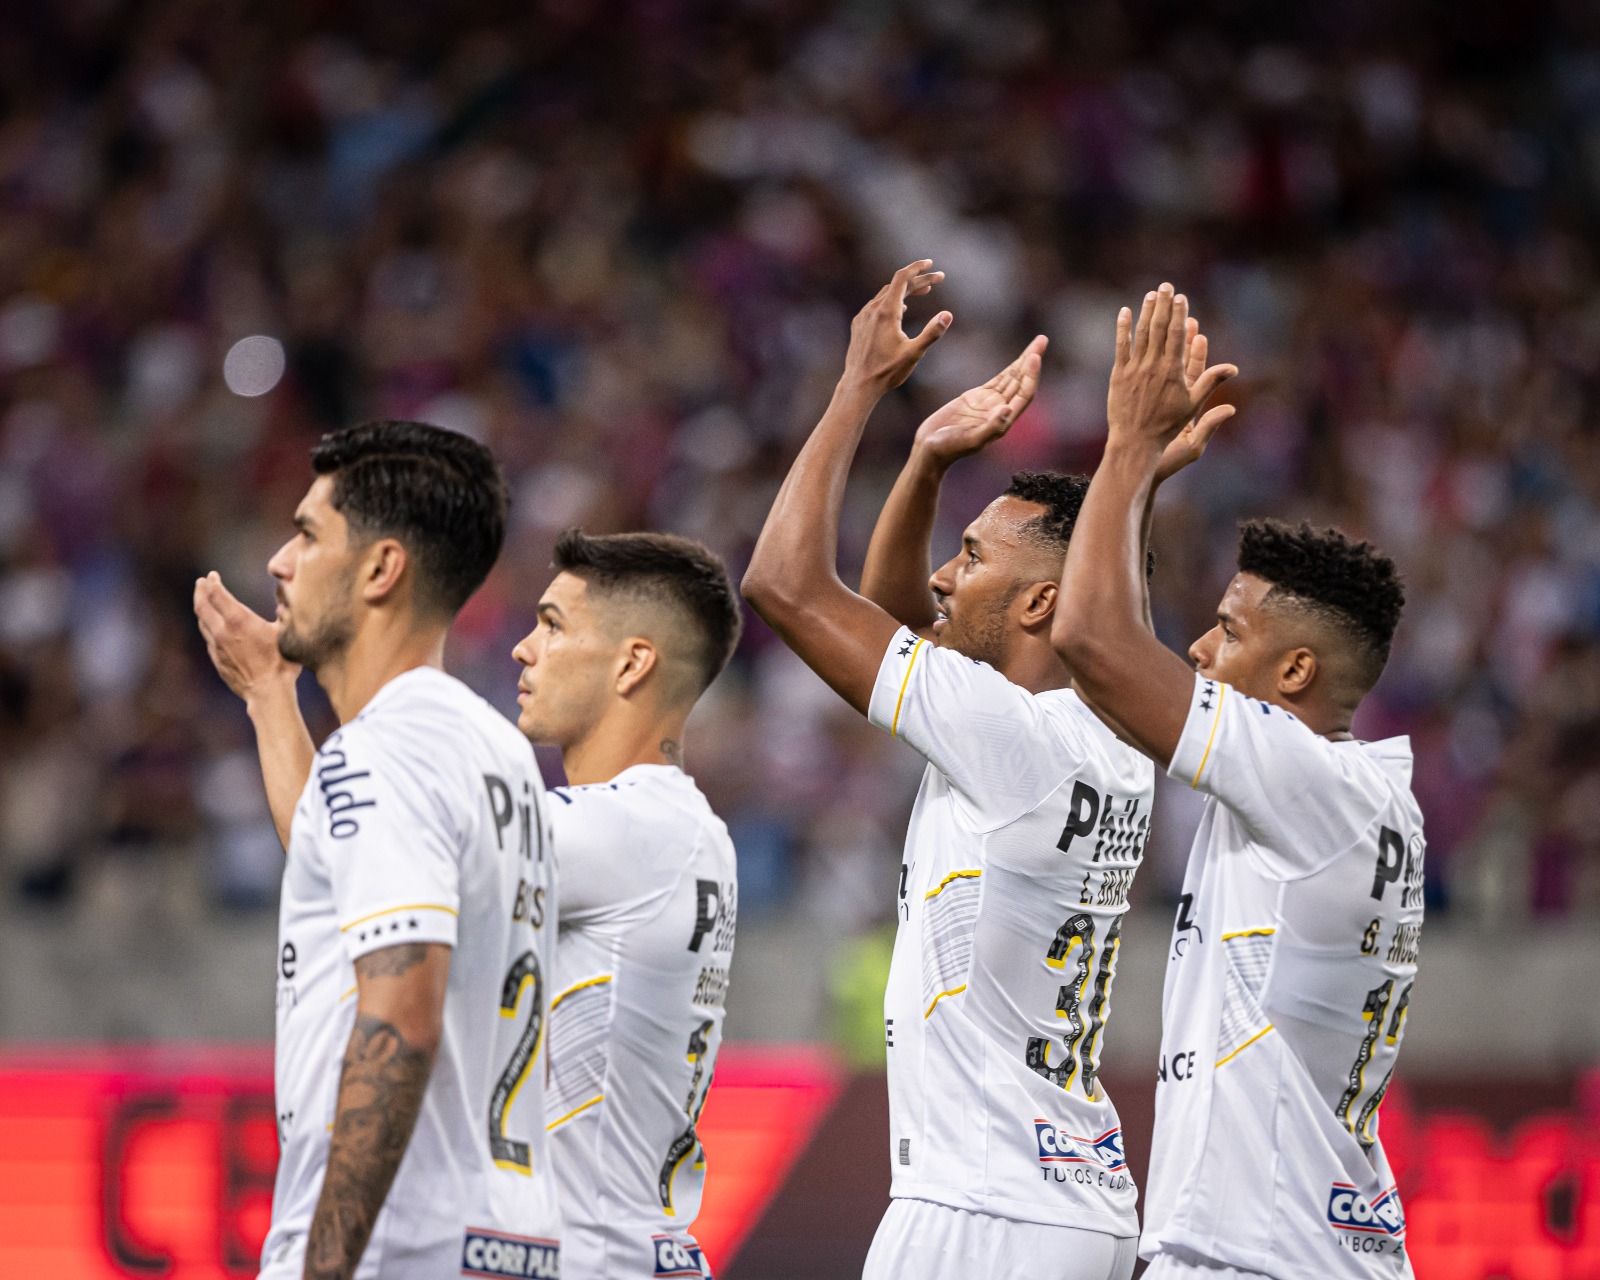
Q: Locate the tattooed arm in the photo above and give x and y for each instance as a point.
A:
(399, 1018)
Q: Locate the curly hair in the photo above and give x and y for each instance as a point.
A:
(1351, 585)
(662, 567)
(1061, 495)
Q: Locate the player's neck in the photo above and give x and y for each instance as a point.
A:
(386, 646)
(620, 741)
(1319, 715)
(1035, 667)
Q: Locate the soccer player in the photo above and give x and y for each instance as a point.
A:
(416, 931)
(1031, 821)
(1296, 942)
(632, 630)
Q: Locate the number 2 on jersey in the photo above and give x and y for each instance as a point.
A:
(1080, 1040)
(509, 1153)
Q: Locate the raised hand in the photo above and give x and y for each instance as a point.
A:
(243, 645)
(1152, 395)
(1189, 445)
(881, 356)
(982, 415)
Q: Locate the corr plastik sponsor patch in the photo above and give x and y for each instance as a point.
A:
(501, 1256)
(678, 1257)
(1348, 1210)
(1057, 1146)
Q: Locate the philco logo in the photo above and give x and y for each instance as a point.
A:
(1348, 1210)
(677, 1257)
(1057, 1146)
(507, 1257)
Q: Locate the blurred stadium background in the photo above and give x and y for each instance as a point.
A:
(621, 243)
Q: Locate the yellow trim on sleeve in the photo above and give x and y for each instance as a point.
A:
(894, 724)
(954, 875)
(389, 911)
(579, 986)
(349, 993)
(954, 991)
(1249, 933)
(599, 1097)
(1245, 1045)
(1222, 693)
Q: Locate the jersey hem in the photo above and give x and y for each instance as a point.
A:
(1204, 1248)
(1122, 1226)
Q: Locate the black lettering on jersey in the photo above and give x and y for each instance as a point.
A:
(1391, 857)
(1186, 924)
(333, 776)
(707, 902)
(1411, 887)
(287, 959)
(529, 904)
(525, 812)
(1081, 816)
(1177, 1066)
(500, 806)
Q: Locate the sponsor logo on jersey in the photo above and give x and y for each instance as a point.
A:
(1057, 1146)
(677, 1257)
(1348, 1210)
(507, 1257)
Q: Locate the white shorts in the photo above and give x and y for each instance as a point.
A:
(920, 1240)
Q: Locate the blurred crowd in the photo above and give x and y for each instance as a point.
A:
(621, 242)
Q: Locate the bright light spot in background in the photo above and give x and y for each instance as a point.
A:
(253, 365)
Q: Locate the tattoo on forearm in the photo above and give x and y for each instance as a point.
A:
(380, 1093)
(672, 751)
(391, 962)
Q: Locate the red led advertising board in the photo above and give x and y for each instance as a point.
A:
(117, 1164)
(159, 1164)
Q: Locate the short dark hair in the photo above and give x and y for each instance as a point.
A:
(663, 567)
(1352, 585)
(1061, 495)
(441, 493)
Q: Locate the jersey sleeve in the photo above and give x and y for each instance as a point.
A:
(987, 736)
(1301, 799)
(393, 830)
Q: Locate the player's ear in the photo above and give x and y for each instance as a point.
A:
(383, 564)
(638, 658)
(1296, 670)
(1038, 603)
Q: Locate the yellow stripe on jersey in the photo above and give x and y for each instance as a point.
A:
(954, 991)
(954, 875)
(349, 993)
(599, 1097)
(389, 911)
(894, 724)
(1250, 933)
(1246, 1045)
(1222, 692)
(579, 986)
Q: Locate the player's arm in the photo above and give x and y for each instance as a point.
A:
(895, 576)
(400, 993)
(1101, 628)
(244, 648)
(793, 579)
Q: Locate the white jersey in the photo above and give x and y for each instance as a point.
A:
(424, 820)
(1286, 995)
(1026, 834)
(649, 899)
